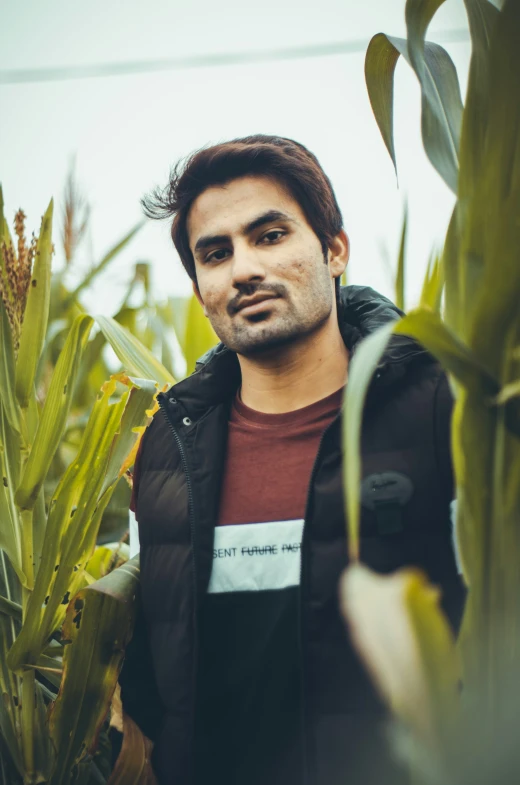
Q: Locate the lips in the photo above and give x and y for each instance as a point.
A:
(257, 300)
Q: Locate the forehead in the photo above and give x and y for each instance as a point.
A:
(226, 209)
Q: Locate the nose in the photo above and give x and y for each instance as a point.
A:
(247, 267)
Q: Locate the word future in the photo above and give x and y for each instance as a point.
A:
(256, 556)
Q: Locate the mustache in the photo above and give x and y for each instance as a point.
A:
(250, 289)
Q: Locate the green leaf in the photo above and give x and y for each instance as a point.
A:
(418, 15)
(135, 358)
(507, 393)
(427, 328)
(380, 61)
(401, 260)
(361, 369)
(34, 327)
(104, 263)
(99, 624)
(75, 513)
(56, 409)
(174, 313)
(199, 335)
(11, 609)
(9, 625)
(10, 528)
(441, 103)
(138, 404)
(74, 516)
(482, 17)
(433, 285)
(492, 227)
(451, 265)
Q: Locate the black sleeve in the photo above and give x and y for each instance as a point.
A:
(139, 693)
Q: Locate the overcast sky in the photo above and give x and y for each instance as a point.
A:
(126, 131)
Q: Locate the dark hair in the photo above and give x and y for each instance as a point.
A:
(282, 159)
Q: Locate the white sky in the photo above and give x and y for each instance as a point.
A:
(126, 131)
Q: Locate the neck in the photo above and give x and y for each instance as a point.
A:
(296, 375)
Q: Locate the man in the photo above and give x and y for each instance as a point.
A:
(240, 669)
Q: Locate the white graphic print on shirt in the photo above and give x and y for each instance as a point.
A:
(256, 556)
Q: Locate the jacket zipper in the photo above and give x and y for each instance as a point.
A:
(191, 514)
(304, 733)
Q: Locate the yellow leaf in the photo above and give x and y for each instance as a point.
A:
(406, 643)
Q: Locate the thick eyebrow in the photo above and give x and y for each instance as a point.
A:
(207, 241)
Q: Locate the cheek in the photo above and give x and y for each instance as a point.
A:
(213, 298)
(297, 270)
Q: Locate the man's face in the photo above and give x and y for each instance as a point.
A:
(261, 272)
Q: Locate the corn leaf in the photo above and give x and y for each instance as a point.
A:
(511, 390)
(104, 263)
(98, 624)
(401, 261)
(433, 284)
(135, 358)
(138, 407)
(380, 62)
(441, 103)
(482, 17)
(406, 642)
(132, 766)
(43, 752)
(75, 513)
(34, 327)
(361, 369)
(9, 608)
(467, 368)
(10, 528)
(8, 718)
(56, 409)
(9, 626)
(427, 328)
(496, 203)
(199, 335)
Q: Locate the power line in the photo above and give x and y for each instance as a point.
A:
(60, 74)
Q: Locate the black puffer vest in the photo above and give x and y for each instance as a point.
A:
(406, 494)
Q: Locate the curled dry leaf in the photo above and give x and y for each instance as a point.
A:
(406, 644)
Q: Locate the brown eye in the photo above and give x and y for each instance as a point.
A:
(274, 235)
(216, 256)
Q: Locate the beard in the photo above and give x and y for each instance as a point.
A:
(267, 333)
(289, 321)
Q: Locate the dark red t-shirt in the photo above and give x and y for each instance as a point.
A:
(269, 461)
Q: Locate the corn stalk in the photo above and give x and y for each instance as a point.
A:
(62, 635)
(476, 150)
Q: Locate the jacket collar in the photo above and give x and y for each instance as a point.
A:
(361, 311)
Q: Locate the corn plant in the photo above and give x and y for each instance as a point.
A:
(475, 147)
(62, 635)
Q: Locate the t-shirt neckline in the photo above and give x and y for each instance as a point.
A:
(324, 406)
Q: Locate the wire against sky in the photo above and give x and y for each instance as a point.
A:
(199, 61)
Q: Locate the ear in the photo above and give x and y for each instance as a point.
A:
(339, 252)
(197, 295)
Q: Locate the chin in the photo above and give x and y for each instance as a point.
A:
(264, 339)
